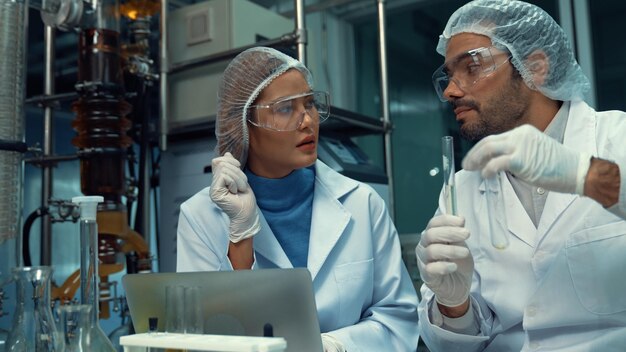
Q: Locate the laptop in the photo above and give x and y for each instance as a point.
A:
(238, 302)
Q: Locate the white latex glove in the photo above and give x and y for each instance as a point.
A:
(531, 156)
(446, 265)
(331, 344)
(231, 192)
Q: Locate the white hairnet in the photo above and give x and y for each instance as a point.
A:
(522, 28)
(243, 80)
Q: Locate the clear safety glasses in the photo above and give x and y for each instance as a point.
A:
(287, 114)
(467, 69)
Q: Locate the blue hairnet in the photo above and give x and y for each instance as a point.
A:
(243, 80)
(522, 29)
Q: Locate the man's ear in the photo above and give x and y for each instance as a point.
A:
(538, 65)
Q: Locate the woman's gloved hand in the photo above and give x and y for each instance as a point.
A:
(531, 156)
(331, 344)
(231, 192)
(446, 265)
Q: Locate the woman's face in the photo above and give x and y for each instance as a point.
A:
(275, 154)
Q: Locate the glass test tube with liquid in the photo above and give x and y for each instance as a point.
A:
(449, 192)
(496, 213)
(495, 201)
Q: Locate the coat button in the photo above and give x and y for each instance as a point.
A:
(541, 191)
(531, 311)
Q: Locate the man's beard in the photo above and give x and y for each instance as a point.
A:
(502, 112)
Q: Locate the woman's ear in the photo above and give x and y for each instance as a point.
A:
(539, 66)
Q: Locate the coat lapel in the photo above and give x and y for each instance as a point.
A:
(580, 135)
(266, 245)
(330, 218)
(517, 220)
(328, 222)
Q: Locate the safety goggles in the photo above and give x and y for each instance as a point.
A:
(287, 113)
(467, 69)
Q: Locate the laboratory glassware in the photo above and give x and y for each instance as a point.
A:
(449, 191)
(33, 328)
(89, 269)
(175, 309)
(75, 320)
(193, 323)
(496, 213)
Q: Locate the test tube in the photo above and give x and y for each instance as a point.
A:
(496, 212)
(449, 192)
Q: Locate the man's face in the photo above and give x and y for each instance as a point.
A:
(493, 104)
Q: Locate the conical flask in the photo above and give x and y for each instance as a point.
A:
(89, 278)
(75, 321)
(33, 325)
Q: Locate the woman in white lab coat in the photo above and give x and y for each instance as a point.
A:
(272, 204)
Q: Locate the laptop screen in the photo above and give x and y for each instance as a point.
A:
(239, 302)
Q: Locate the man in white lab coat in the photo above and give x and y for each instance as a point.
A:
(514, 84)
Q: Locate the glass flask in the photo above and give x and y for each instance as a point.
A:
(115, 335)
(89, 270)
(75, 324)
(33, 325)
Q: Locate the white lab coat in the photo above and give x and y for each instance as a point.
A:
(560, 286)
(364, 295)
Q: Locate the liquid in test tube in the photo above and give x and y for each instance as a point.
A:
(449, 192)
(496, 214)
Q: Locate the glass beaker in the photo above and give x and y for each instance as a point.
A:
(33, 325)
(74, 323)
(174, 309)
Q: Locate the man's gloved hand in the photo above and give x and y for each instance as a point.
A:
(331, 344)
(231, 192)
(446, 265)
(531, 156)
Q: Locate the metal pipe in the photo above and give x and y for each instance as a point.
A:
(382, 54)
(82, 153)
(13, 146)
(362, 124)
(45, 249)
(50, 160)
(584, 46)
(163, 89)
(52, 98)
(49, 6)
(301, 31)
(142, 217)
